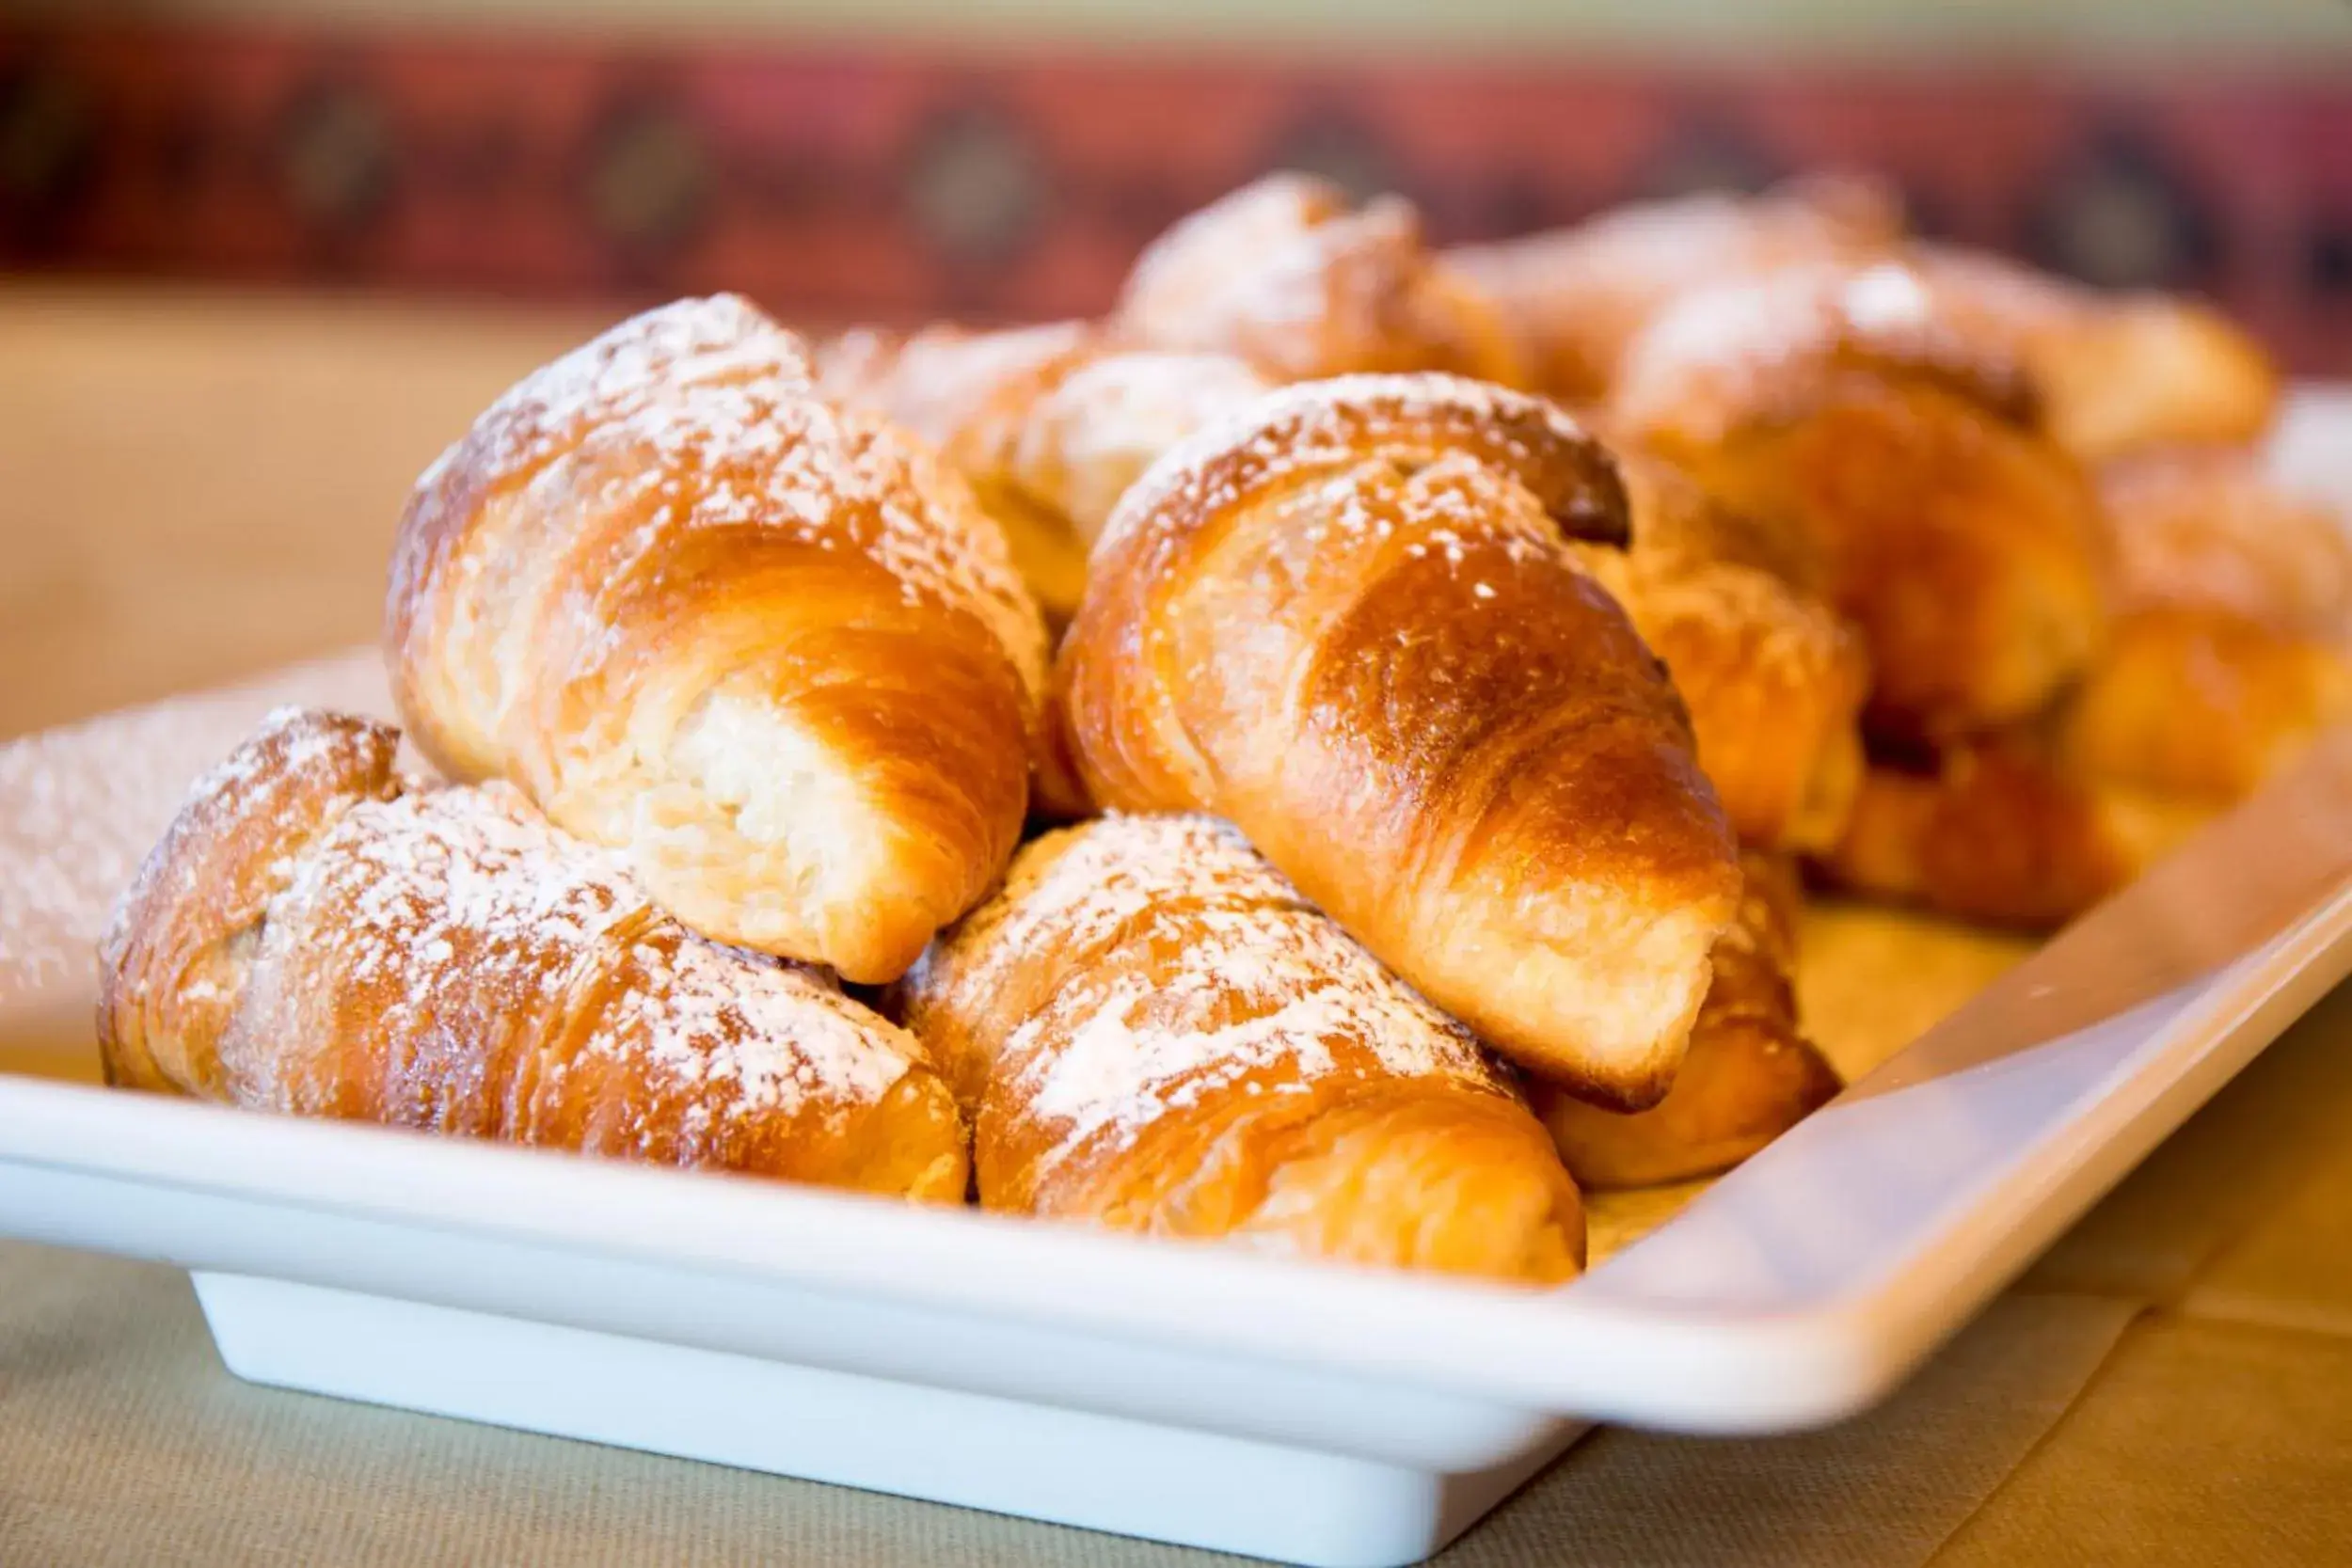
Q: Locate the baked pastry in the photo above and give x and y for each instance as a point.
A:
(316, 935)
(1774, 678)
(2225, 658)
(1574, 297)
(773, 653)
(1998, 831)
(2208, 528)
(2234, 597)
(1348, 619)
(1288, 275)
(1154, 1030)
(1050, 423)
(2118, 374)
(1958, 538)
(1750, 1076)
(963, 391)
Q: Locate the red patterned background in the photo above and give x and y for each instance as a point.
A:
(848, 184)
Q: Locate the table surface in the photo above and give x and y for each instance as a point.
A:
(199, 486)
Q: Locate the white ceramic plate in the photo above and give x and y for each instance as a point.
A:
(1309, 1414)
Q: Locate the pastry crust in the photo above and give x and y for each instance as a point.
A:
(1154, 1032)
(1050, 423)
(1349, 620)
(1574, 299)
(775, 654)
(1963, 543)
(2229, 650)
(2118, 373)
(1774, 678)
(1999, 832)
(1750, 1076)
(1288, 275)
(317, 936)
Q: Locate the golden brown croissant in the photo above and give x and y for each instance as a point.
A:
(1574, 297)
(1154, 1032)
(313, 935)
(2227, 653)
(2207, 528)
(1998, 831)
(1750, 1076)
(1774, 678)
(1349, 620)
(1960, 539)
(2200, 705)
(1286, 275)
(773, 653)
(2225, 659)
(2118, 372)
(964, 392)
(1050, 423)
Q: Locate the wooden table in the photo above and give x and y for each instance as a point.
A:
(195, 486)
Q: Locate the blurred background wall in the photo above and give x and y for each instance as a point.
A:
(911, 158)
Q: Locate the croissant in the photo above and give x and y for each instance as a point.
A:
(2118, 374)
(1999, 830)
(1348, 619)
(1287, 275)
(962, 392)
(1152, 1031)
(2228, 654)
(1775, 680)
(1749, 1077)
(773, 653)
(2208, 528)
(1050, 423)
(2225, 659)
(1961, 540)
(1573, 298)
(316, 935)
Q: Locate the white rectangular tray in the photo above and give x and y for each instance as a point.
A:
(1316, 1414)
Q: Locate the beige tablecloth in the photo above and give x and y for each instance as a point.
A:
(194, 487)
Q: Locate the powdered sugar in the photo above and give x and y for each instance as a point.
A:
(630, 373)
(1727, 353)
(1099, 429)
(938, 382)
(447, 901)
(1659, 248)
(1887, 298)
(702, 415)
(80, 807)
(1247, 982)
(1281, 272)
(720, 457)
(1334, 423)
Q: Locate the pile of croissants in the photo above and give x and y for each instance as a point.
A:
(1324, 758)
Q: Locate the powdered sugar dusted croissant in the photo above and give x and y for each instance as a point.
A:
(1574, 297)
(1287, 274)
(2118, 373)
(1750, 1076)
(775, 654)
(1960, 539)
(1154, 1032)
(315, 935)
(1050, 423)
(1349, 620)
